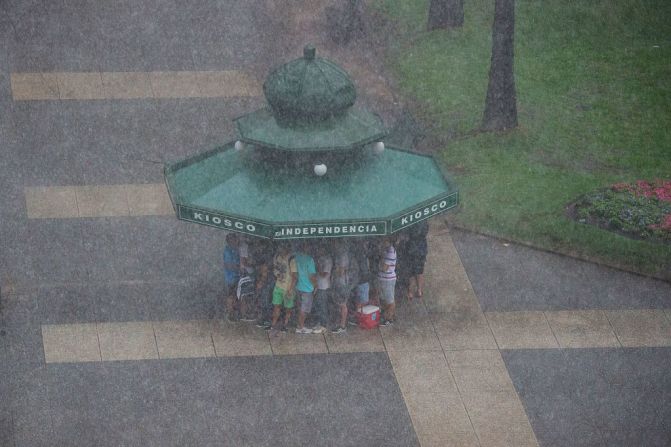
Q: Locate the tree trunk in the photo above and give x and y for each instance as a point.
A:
(446, 14)
(501, 104)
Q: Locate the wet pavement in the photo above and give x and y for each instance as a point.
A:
(511, 346)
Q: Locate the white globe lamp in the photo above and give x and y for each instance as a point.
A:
(239, 145)
(320, 169)
(378, 147)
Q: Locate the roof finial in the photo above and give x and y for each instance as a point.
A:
(309, 52)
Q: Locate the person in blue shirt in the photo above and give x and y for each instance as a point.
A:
(306, 283)
(231, 273)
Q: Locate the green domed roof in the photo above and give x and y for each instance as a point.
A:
(311, 110)
(309, 89)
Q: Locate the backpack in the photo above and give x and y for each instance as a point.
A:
(246, 287)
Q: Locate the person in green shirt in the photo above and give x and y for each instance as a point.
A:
(283, 292)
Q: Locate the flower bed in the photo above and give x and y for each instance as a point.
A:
(640, 210)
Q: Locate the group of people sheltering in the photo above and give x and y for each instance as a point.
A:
(324, 282)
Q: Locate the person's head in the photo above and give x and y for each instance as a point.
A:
(303, 246)
(322, 247)
(232, 239)
(283, 248)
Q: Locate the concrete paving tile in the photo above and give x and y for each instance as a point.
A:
(126, 85)
(224, 84)
(174, 84)
(486, 359)
(457, 439)
(29, 405)
(469, 379)
(66, 304)
(521, 330)
(78, 407)
(6, 428)
(572, 396)
(464, 330)
(422, 372)
(102, 201)
(437, 414)
(292, 343)
(508, 438)
(496, 411)
(70, 343)
(551, 281)
(582, 329)
(149, 200)
(648, 438)
(235, 339)
(80, 85)
(638, 328)
(124, 301)
(450, 289)
(355, 340)
(184, 339)
(127, 341)
(51, 202)
(410, 336)
(34, 86)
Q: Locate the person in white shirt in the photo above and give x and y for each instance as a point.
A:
(324, 268)
(386, 281)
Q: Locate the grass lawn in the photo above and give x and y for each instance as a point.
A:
(593, 82)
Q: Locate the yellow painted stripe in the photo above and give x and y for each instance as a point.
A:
(204, 338)
(581, 328)
(63, 202)
(133, 85)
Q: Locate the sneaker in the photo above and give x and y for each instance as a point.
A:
(283, 329)
(304, 330)
(384, 322)
(262, 324)
(247, 319)
(352, 322)
(232, 318)
(338, 330)
(318, 329)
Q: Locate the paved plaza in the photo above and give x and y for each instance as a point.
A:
(112, 328)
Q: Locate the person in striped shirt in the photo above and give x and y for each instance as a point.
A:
(386, 281)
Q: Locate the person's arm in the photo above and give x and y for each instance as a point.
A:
(263, 276)
(228, 265)
(313, 280)
(294, 278)
(292, 284)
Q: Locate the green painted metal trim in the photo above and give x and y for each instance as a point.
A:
(260, 127)
(424, 211)
(225, 222)
(312, 228)
(331, 229)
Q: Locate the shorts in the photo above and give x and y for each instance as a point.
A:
(306, 301)
(340, 295)
(416, 264)
(361, 292)
(279, 299)
(386, 287)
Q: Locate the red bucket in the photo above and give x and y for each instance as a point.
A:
(369, 317)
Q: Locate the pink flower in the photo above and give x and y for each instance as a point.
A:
(642, 184)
